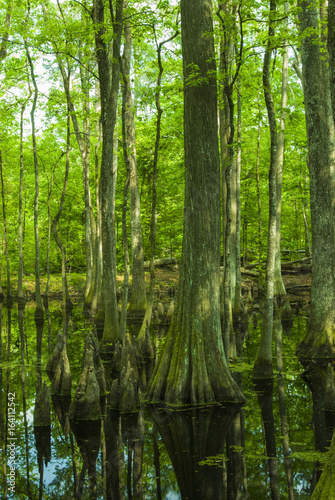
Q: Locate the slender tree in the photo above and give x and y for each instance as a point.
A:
(263, 363)
(9, 299)
(39, 305)
(20, 271)
(153, 223)
(279, 288)
(66, 301)
(109, 76)
(229, 166)
(137, 303)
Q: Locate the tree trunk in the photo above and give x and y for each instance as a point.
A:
(39, 306)
(20, 272)
(237, 292)
(66, 301)
(47, 286)
(148, 311)
(138, 299)
(192, 368)
(263, 363)
(83, 141)
(97, 295)
(279, 287)
(227, 131)
(325, 489)
(319, 339)
(259, 204)
(123, 320)
(5, 35)
(109, 76)
(9, 298)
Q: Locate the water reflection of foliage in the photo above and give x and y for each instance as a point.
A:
(59, 482)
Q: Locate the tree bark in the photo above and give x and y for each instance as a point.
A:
(9, 299)
(20, 272)
(263, 363)
(39, 305)
(5, 36)
(123, 320)
(279, 287)
(259, 203)
(237, 309)
(66, 301)
(109, 76)
(227, 132)
(192, 368)
(319, 339)
(138, 299)
(325, 489)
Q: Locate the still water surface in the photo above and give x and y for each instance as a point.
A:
(156, 453)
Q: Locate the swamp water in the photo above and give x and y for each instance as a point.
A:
(154, 454)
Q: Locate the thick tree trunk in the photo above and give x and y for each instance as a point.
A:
(138, 299)
(192, 368)
(319, 340)
(325, 489)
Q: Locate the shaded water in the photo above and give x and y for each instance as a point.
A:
(156, 453)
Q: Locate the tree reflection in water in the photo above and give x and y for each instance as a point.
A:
(193, 437)
(133, 455)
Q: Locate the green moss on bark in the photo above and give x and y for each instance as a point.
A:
(325, 489)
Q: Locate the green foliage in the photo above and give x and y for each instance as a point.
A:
(67, 35)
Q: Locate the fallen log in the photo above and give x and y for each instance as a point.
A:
(161, 262)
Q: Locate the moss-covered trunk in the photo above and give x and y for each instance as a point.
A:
(192, 368)
(319, 340)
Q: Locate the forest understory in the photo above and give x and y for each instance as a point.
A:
(296, 277)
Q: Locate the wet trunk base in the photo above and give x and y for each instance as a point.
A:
(87, 403)
(317, 345)
(121, 366)
(325, 489)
